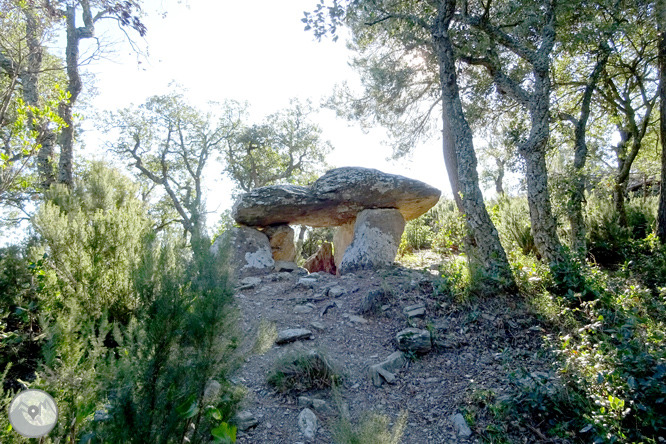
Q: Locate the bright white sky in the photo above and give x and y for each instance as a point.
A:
(255, 51)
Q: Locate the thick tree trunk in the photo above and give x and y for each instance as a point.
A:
(533, 151)
(499, 180)
(661, 215)
(489, 248)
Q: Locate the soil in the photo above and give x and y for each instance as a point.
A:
(483, 341)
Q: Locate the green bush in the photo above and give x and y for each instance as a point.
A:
(417, 235)
(511, 217)
(92, 236)
(185, 338)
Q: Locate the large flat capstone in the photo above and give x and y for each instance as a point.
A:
(334, 199)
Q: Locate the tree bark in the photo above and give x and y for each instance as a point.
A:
(661, 215)
(490, 250)
(30, 82)
(575, 213)
(451, 163)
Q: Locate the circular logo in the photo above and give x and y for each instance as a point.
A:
(33, 413)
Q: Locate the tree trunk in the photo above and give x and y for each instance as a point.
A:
(30, 82)
(490, 251)
(499, 181)
(576, 220)
(65, 110)
(661, 215)
(451, 163)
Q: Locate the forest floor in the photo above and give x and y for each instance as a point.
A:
(490, 347)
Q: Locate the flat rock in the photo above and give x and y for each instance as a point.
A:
(248, 282)
(303, 309)
(385, 371)
(357, 319)
(414, 311)
(334, 199)
(414, 340)
(372, 301)
(317, 404)
(285, 267)
(336, 292)
(307, 424)
(292, 335)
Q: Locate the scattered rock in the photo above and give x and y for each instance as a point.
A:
(326, 308)
(414, 340)
(302, 309)
(319, 405)
(292, 335)
(245, 420)
(385, 371)
(357, 319)
(307, 423)
(460, 426)
(414, 311)
(336, 292)
(322, 260)
(306, 282)
(281, 239)
(285, 266)
(334, 199)
(372, 301)
(248, 283)
(317, 326)
(377, 236)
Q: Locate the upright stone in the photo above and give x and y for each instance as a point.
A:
(377, 236)
(249, 251)
(281, 239)
(342, 238)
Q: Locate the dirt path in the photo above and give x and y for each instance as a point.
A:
(481, 343)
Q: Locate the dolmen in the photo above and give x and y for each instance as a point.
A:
(368, 207)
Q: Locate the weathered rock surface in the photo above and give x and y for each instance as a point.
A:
(322, 260)
(281, 239)
(307, 424)
(414, 340)
(342, 238)
(385, 371)
(460, 425)
(414, 311)
(292, 334)
(316, 404)
(249, 251)
(245, 420)
(372, 301)
(334, 199)
(284, 266)
(377, 236)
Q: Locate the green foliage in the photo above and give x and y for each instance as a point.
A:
(417, 236)
(92, 236)
(449, 226)
(301, 371)
(183, 327)
(20, 332)
(511, 216)
(373, 428)
(609, 242)
(285, 148)
(315, 236)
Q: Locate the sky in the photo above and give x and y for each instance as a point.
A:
(250, 50)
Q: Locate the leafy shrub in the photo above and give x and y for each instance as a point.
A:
(20, 332)
(92, 236)
(302, 371)
(417, 235)
(185, 327)
(314, 238)
(511, 217)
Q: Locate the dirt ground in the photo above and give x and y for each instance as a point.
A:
(482, 342)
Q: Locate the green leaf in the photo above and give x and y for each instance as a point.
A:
(224, 432)
(189, 408)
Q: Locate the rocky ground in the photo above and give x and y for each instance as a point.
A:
(477, 343)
